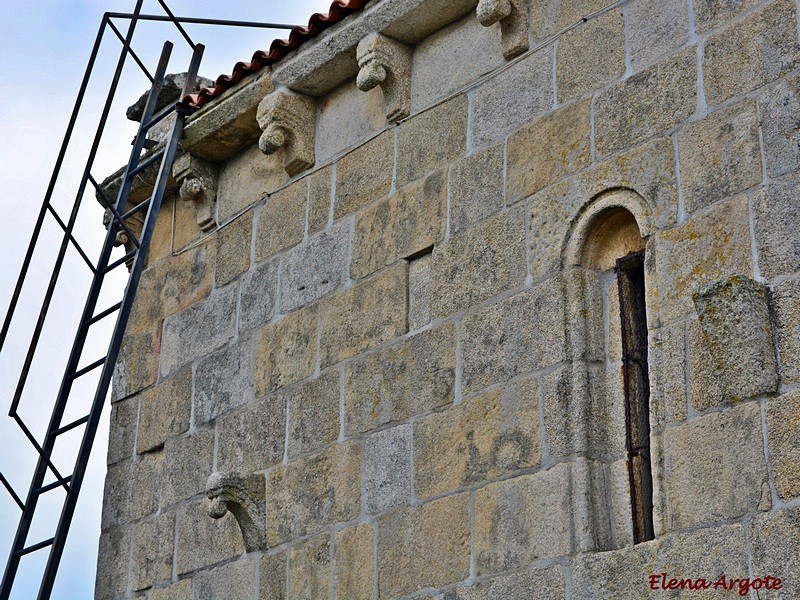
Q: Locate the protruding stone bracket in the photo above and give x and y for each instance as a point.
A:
(513, 18)
(288, 122)
(198, 184)
(386, 63)
(245, 498)
(735, 319)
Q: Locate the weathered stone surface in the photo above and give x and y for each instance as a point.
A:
(165, 411)
(483, 261)
(451, 58)
(710, 14)
(223, 381)
(548, 18)
(779, 106)
(319, 199)
(153, 549)
(787, 308)
(385, 63)
(122, 431)
(401, 381)
(177, 591)
(714, 467)
(188, 461)
(405, 223)
(754, 51)
(476, 187)
(430, 139)
(647, 104)
(546, 150)
(310, 493)
(282, 221)
(773, 539)
(246, 179)
(112, 561)
(310, 569)
(590, 56)
(198, 329)
(668, 377)
(783, 443)
(423, 546)
(347, 116)
(136, 365)
(233, 249)
(655, 28)
(315, 268)
(252, 438)
(542, 583)
(481, 438)
(775, 214)
(272, 575)
(419, 291)
(353, 563)
(364, 316)
(519, 335)
(387, 469)
(232, 581)
(132, 490)
(735, 319)
(289, 123)
(708, 247)
(258, 295)
(513, 97)
(523, 519)
(313, 413)
(705, 388)
(203, 541)
(364, 174)
(720, 155)
(285, 351)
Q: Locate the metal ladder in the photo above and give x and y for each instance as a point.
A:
(70, 484)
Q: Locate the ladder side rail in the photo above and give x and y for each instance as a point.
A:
(42, 463)
(73, 216)
(119, 330)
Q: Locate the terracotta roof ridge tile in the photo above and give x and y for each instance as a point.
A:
(317, 23)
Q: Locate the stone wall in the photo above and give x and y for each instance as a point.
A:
(399, 339)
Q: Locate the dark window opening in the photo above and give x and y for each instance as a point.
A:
(630, 280)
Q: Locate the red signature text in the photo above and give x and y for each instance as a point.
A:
(662, 581)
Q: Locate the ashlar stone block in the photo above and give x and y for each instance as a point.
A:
(758, 49)
(285, 350)
(590, 56)
(258, 295)
(424, 546)
(272, 575)
(113, 559)
(132, 490)
(773, 539)
(137, 363)
(223, 381)
(735, 319)
(313, 413)
(476, 187)
(353, 563)
(310, 493)
(714, 467)
(538, 583)
(364, 316)
(403, 380)
(282, 221)
(164, 412)
(705, 388)
(246, 179)
(188, 461)
(203, 541)
(252, 438)
(519, 335)
(122, 431)
(315, 267)
(310, 569)
(419, 291)
(483, 261)
(233, 249)
(177, 591)
(655, 28)
(548, 18)
(780, 105)
(364, 174)
(646, 104)
(523, 519)
(720, 155)
(153, 549)
(775, 213)
(551, 147)
(479, 439)
(667, 364)
(783, 442)
(710, 14)
(402, 225)
(232, 581)
(787, 306)
(387, 469)
(319, 199)
(347, 117)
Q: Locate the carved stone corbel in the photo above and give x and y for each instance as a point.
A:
(513, 18)
(289, 121)
(384, 62)
(198, 184)
(245, 498)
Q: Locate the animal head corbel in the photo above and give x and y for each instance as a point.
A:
(245, 499)
(289, 122)
(513, 18)
(386, 63)
(198, 184)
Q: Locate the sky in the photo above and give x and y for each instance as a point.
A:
(44, 47)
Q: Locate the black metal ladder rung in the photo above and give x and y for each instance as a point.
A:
(11, 491)
(108, 205)
(156, 156)
(163, 114)
(120, 261)
(103, 315)
(51, 486)
(90, 367)
(34, 548)
(71, 426)
(138, 208)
